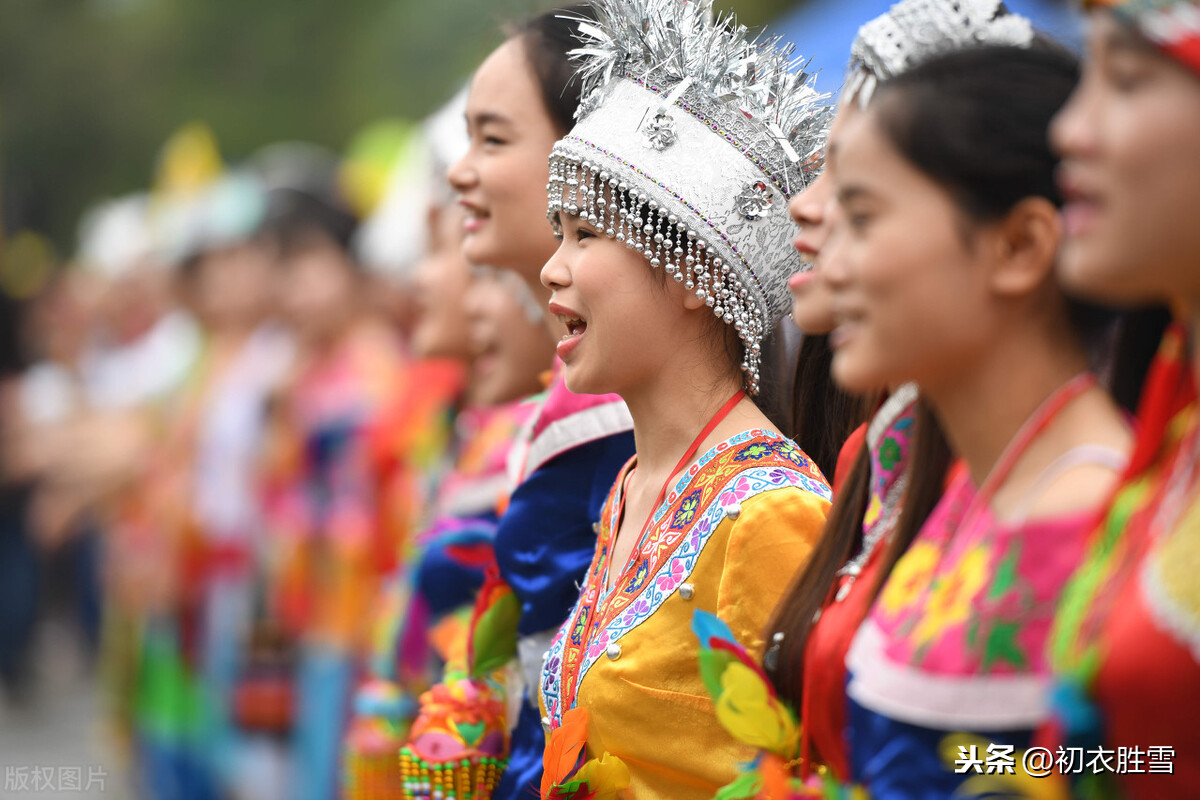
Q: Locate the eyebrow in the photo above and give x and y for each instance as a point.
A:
(486, 118)
(1122, 40)
(855, 191)
(831, 149)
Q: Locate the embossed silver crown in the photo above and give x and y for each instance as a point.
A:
(915, 31)
(691, 138)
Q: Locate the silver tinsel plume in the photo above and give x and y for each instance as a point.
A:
(681, 43)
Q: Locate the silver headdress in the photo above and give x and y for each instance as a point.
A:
(915, 31)
(690, 140)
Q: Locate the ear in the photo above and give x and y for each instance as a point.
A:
(1026, 243)
(690, 301)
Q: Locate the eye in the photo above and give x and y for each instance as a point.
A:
(858, 220)
(582, 233)
(1126, 71)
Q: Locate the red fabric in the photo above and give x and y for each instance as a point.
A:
(1149, 688)
(824, 713)
(845, 461)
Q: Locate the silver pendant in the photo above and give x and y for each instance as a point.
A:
(659, 132)
(755, 201)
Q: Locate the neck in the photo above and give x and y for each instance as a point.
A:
(981, 408)
(668, 413)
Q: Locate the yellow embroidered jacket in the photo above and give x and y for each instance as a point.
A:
(727, 539)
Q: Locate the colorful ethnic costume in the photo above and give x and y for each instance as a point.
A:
(727, 539)
(1125, 647)
(426, 607)
(951, 660)
(751, 710)
(824, 705)
(690, 139)
(563, 463)
(1126, 643)
(331, 546)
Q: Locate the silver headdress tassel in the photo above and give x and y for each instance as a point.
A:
(915, 31)
(691, 138)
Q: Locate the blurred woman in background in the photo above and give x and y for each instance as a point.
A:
(1125, 644)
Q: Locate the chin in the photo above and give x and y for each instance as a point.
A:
(853, 376)
(477, 248)
(1094, 274)
(581, 383)
(811, 326)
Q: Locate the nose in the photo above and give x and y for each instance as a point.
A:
(462, 174)
(556, 273)
(833, 261)
(1073, 130)
(807, 209)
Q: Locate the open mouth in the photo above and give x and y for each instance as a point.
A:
(474, 217)
(575, 326)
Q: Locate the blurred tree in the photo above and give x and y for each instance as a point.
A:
(89, 89)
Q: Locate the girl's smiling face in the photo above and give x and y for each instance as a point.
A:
(510, 346)
(1130, 143)
(502, 179)
(813, 209)
(910, 294)
(624, 318)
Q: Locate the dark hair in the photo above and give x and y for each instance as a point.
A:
(928, 461)
(294, 217)
(547, 39)
(822, 414)
(974, 122)
(1137, 337)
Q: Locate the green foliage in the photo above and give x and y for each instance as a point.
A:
(89, 89)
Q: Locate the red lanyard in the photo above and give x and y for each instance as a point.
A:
(724, 412)
(1041, 418)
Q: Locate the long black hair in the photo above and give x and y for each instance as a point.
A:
(975, 122)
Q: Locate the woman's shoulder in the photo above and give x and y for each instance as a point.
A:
(758, 460)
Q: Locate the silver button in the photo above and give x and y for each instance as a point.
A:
(732, 510)
(613, 651)
(686, 591)
(596, 528)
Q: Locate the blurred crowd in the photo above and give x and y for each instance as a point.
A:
(246, 398)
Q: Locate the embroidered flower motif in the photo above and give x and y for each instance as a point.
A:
(639, 577)
(753, 452)
(952, 595)
(687, 510)
(580, 626)
(675, 575)
(598, 645)
(910, 577)
(890, 453)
